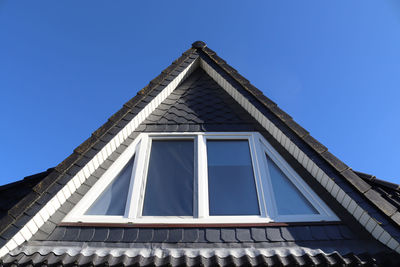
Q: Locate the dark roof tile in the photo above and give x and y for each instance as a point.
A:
(258, 234)
(346, 232)
(115, 235)
(161, 235)
(334, 161)
(86, 234)
(318, 233)
(100, 234)
(378, 200)
(243, 235)
(287, 235)
(301, 233)
(72, 233)
(355, 180)
(175, 236)
(213, 235)
(229, 235)
(58, 234)
(274, 234)
(333, 232)
(145, 235)
(21, 205)
(130, 235)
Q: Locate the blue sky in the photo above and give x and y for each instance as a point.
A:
(66, 66)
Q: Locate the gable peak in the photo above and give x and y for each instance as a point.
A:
(199, 44)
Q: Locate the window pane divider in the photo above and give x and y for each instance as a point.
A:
(202, 177)
(259, 173)
(139, 173)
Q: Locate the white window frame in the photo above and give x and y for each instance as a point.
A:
(141, 148)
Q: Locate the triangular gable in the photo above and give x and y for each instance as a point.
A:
(199, 105)
(83, 164)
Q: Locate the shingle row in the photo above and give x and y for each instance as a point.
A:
(321, 259)
(202, 235)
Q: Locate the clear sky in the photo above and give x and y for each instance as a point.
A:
(66, 66)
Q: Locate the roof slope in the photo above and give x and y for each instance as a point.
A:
(389, 191)
(77, 172)
(207, 257)
(11, 194)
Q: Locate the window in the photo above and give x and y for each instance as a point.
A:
(200, 178)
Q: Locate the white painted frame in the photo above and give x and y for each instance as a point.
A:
(77, 214)
(141, 148)
(324, 212)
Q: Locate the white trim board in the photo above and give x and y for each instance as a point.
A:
(362, 216)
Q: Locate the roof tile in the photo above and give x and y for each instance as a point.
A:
(378, 200)
(300, 131)
(130, 235)
(229, 235)
(19, 208)
(72, 233)
(356, 181)
(314, 144)
(175, 236)
(46, 182)
(160, 235)
(58, 234)
(86, 234)
(100, 234)
(258, 234)
(115, 235)
(274, 234)
(286, 234)
(334, 161)
(243, 235)
(65, 164)
(213, 235)
(318, 233)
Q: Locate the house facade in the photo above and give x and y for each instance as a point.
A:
(200, 168)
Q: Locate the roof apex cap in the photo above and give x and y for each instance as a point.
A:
(199, 44)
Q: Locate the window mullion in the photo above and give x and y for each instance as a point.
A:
(258, 174)
(138, 173)
(265, 180)
(132, 182)
(203, 211)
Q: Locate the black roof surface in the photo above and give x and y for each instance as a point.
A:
(12, 193)
(199, 104)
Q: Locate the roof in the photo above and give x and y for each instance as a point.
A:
(387, 190)
(174, 256)
(12, 193)
(200, 103)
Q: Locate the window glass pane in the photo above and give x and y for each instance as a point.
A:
(231, 185)
(170, 179)
(288, 198)
(113, 200)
